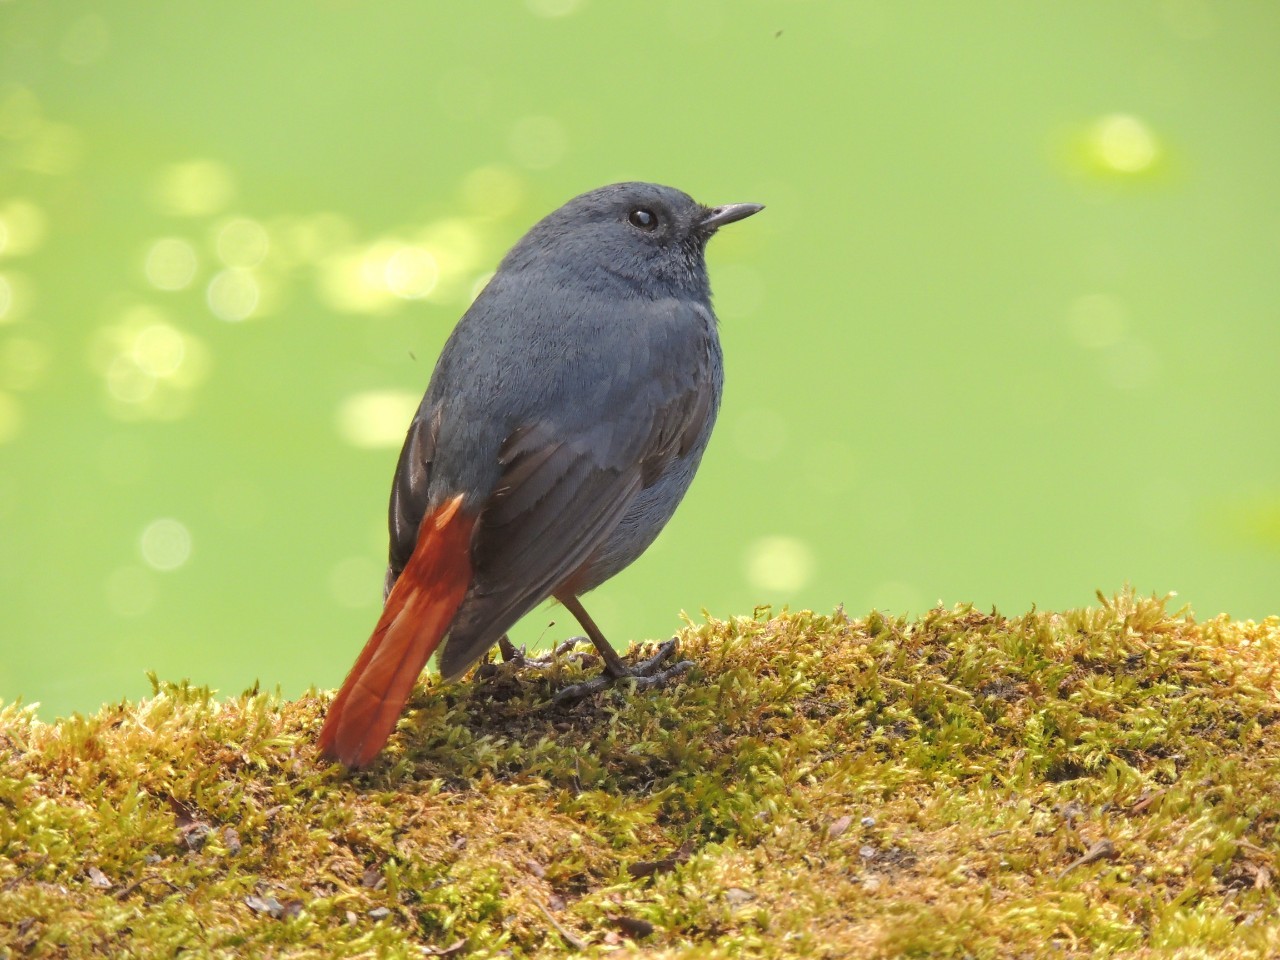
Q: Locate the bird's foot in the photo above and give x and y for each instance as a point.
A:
(643, 676)
(522, 659)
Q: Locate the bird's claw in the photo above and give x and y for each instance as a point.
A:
(645, 675)
(522, 659)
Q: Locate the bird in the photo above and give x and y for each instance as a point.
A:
(561, 427)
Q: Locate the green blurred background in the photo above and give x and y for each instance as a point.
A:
(1008, 332)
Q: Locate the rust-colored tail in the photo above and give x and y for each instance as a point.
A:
(416, 617)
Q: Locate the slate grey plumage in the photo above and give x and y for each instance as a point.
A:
(572, 404)
(565, 418)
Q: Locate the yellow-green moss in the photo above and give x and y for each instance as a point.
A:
(1103, 781)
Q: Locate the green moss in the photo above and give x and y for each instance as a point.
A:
(1096, 782)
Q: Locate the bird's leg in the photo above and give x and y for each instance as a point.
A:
(509, 652)
(645, 674)
(488, 666)
(614, 665)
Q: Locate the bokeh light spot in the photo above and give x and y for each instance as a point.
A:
(16, 295)
(341, 283)
(373, 264)
(552, 8)
(779, 564)
(1252, 519)
(1097, 321)
(242, 243)
(159, 349)
(195, 188)
(456, 246)
(233, 295)
(376, 419)
(131, 591)
(85, 41)
(538, 143)
(480, 282)
(10, 418)
(165, 544)
(22, 227)
(1124, 144)
(170, 264)
(373, 279)
(411, 273)
(127, 382)
(312, 238)
(493, 192)
(23, 363)
(149, 366)
(356, 582)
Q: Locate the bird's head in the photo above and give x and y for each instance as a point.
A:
(642, 236)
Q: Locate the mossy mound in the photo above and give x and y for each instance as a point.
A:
(1062, 784)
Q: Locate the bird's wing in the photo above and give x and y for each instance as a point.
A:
(556, 501)
(409, 491)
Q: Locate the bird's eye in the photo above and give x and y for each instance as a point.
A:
(643, 218)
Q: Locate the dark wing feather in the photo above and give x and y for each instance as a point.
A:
(554, 505)
(409, 492)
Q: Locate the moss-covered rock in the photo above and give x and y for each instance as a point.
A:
(1063, 784)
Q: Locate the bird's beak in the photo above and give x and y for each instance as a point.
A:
(717, 217)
